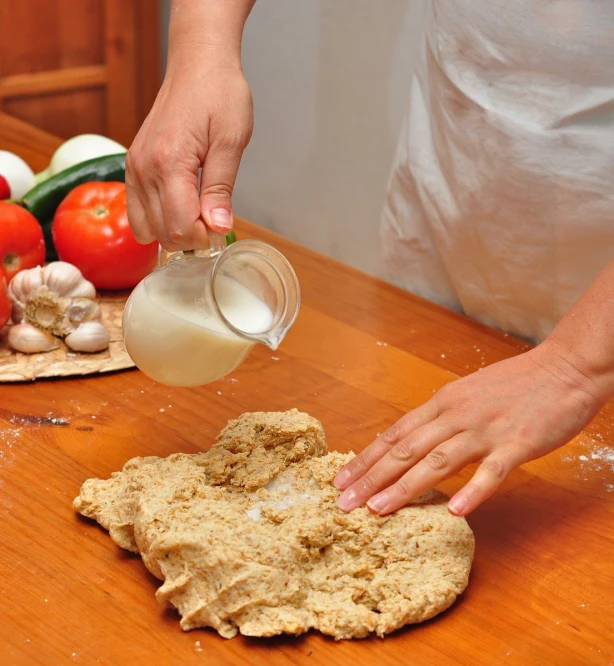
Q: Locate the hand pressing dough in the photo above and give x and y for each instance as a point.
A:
(247, 537)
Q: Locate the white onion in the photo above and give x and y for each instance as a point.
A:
(82, 148)
(17, 173)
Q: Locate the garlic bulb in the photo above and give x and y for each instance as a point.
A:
(49, 297)
(91, 336)
(30, 340)
(55, 301)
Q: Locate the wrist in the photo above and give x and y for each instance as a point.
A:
(581, 367)
(188, 55)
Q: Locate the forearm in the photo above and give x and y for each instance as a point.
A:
(213, 26)
(585, 336)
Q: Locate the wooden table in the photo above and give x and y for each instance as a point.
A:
(361, 354)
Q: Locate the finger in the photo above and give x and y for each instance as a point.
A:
(142, 194)
(180, 204)
(136, 211)
(442, 462)
(488, 477)
(362, 463)
(216, 185)
(402, 457)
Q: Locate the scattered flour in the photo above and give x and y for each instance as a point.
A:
(599, 459)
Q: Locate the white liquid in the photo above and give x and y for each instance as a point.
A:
(174, 335)
(282, 494)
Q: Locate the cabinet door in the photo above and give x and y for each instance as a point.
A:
(77, 66)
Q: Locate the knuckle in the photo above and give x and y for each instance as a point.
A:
(176, 236)
(393, 434)
(170, 246)
(445, 390)
(217, 189)
(232, 142)
(357, 466)
(233, 136)
(495, 468)
(404, 451)
(368, 485)
(403, 489)
(474, 489)
(163, 157)
(437, 460)
(144, 238)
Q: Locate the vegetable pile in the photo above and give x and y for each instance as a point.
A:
(56, 302)
(75, 211)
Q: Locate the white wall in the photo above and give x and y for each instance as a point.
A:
(330, 80)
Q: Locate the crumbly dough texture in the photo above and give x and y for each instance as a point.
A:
(247, 537)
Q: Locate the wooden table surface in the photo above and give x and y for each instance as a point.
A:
(361, 354)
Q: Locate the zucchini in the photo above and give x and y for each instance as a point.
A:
(43, 199)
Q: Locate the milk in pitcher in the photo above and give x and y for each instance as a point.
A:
(175, 336)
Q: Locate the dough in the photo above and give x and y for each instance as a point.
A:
(247, 537)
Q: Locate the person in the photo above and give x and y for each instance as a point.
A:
(500, 205)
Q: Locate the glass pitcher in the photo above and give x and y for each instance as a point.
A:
(198, 315)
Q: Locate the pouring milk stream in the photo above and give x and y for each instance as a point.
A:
(198, 315)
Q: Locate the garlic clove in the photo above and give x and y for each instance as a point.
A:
(83, 309)
(23, 284)
(30, 340)
(90, 336)
(67, 280)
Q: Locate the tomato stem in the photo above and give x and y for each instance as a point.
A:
(100, 211)
(11, 262)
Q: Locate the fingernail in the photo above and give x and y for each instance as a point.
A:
(457, 505)
(342, 479)
(347, 500)
(379, 502)
(221, 218)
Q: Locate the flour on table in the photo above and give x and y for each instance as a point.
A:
(598, 459)
(247, 537)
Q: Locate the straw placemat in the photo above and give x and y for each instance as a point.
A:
(62, 362)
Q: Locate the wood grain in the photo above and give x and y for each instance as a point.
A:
(59, 80)
(75, 67)
(121, 59)
(33, 145)
(543, 581)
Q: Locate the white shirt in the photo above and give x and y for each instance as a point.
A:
(501, 198)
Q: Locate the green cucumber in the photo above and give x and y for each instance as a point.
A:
(43, 199)
(231, 237)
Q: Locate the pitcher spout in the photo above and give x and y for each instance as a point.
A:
(273, 341)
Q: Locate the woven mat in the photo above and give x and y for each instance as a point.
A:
(62, 362)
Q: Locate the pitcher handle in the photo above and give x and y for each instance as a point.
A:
(217, 244)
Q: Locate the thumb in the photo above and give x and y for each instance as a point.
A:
(216, 184)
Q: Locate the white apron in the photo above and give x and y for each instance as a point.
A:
(501, 198)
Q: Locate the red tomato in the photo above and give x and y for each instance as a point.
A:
(5, 190)
(5, 301)
(91, 231)
(21, 240)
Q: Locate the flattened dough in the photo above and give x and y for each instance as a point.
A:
(247, 537)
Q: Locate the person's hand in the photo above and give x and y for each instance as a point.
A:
(504, 415)
(202, 117)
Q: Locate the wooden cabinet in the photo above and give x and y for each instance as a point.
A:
(75, 66)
